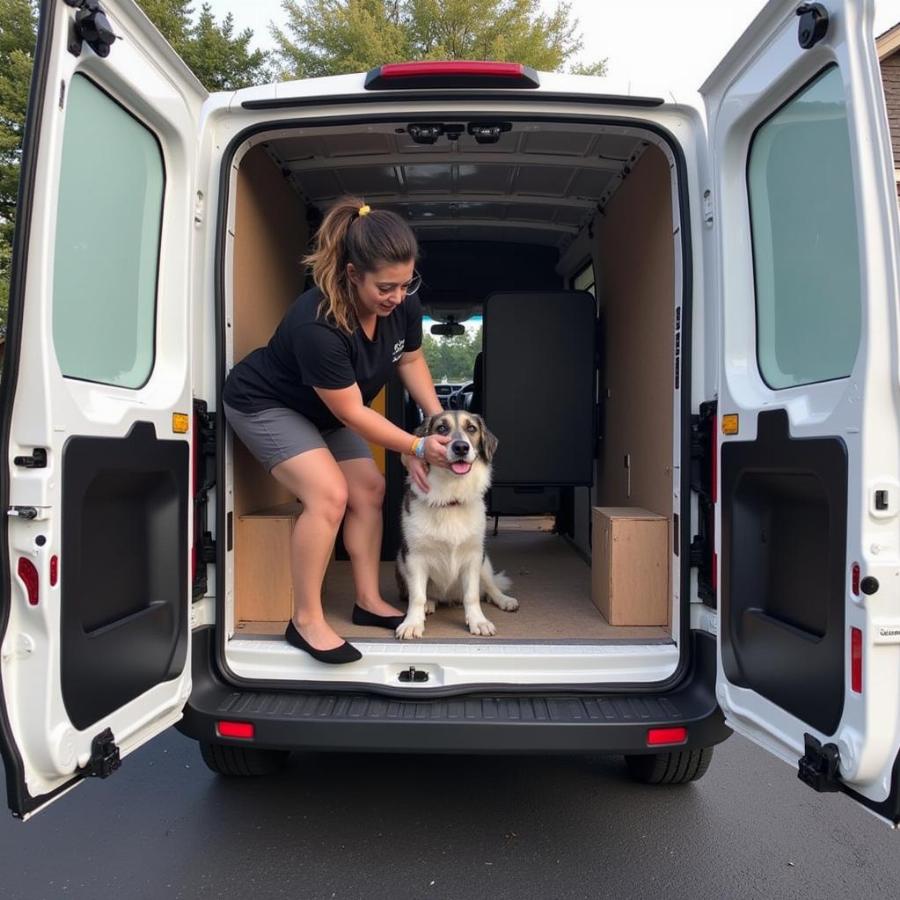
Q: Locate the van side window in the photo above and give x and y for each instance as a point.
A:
(584, 280)
(107, 241)
(805, 251)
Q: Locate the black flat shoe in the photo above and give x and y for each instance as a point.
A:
(364, 617)
(346, 653)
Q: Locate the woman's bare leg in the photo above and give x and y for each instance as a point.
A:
(362, 532)
(315, 478)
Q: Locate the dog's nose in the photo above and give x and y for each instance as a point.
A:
(460, 448)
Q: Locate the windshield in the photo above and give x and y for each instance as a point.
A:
(451, 359)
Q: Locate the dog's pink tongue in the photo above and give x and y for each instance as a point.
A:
(460, 467)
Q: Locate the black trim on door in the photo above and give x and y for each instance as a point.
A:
(684, 312)
(784, 538)
(123, 583)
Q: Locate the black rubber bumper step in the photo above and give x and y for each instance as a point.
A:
(527, 722)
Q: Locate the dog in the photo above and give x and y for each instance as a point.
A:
(442, 554)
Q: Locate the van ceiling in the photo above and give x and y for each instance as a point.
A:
(538, 184)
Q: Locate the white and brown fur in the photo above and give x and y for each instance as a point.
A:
(442, 556)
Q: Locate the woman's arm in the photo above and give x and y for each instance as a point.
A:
(347, 406)
(416, 378)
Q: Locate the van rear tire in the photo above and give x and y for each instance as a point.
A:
(674, 767)
(225, 759)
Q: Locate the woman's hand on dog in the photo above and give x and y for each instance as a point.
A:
(435, 455)
(418, 470)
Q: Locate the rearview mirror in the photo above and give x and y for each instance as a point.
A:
(448, 329)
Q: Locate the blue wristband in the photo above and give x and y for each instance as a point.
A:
(420, 449)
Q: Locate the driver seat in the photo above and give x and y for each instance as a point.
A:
(475, 403)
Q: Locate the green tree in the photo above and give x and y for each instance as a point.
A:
(452, 358)
(222, 60)
(331, 37)
(219, 58)
(17, 39)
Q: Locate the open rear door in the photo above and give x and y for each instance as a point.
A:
(809, 535)
(95, 395)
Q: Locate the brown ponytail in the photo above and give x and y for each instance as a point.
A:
(368, 241)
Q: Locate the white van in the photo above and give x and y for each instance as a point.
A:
(689, 312)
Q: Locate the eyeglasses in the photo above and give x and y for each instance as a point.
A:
(408, 287)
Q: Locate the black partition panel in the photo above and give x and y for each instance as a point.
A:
(784, 536)
(123, 569)
(539, 386)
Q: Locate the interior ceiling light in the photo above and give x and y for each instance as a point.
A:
(488, 132)
(425, 133)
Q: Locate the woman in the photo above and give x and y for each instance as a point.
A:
(300, 404)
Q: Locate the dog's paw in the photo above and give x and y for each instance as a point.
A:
(482, 627)
(430, 607)
(505, 602)
(409, 629)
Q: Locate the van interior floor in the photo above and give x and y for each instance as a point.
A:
(550, 579)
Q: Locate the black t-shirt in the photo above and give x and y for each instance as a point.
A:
(307, 352)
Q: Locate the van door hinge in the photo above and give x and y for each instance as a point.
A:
(813, 25)
(91, 25)
(702, 552)
(820, 765)
(105, 758)
(205, 467)
(208, 549)
(37, 460)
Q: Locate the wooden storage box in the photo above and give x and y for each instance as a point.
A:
(630, 572)
(263, 564)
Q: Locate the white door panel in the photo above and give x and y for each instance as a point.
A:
(806, 221)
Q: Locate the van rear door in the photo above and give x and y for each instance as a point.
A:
(808, 521)
(96, 397)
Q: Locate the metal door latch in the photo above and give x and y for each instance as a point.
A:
(412, 674)
(22, 512)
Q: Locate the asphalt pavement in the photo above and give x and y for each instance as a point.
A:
(348, 826)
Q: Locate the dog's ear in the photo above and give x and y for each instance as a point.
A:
(488, 441)
(424, 427)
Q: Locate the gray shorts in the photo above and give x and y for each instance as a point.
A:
(274, 435)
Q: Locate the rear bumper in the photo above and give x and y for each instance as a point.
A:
(487, 722)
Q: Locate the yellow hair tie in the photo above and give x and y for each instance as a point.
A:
(365, 210)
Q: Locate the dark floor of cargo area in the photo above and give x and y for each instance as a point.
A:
(550, 579)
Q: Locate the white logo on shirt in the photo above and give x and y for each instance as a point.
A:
(398, 349)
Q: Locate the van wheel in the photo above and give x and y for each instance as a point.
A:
(227, 760)
(675, 767)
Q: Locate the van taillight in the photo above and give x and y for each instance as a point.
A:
(29, 575)
(451, 73)
(235, 729)
(856, 660)
(854, 579)
(658, 736)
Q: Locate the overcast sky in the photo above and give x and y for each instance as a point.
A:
(644, 40)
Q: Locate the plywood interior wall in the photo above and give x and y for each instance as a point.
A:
(270, 238)
(636, 286)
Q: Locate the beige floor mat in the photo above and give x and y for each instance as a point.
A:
(549, 578)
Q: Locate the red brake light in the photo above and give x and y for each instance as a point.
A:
(235, 729)
(54, 570)
(657, 736)
(451, 73)
(29, 574)
(856, 660)
(854, 579)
